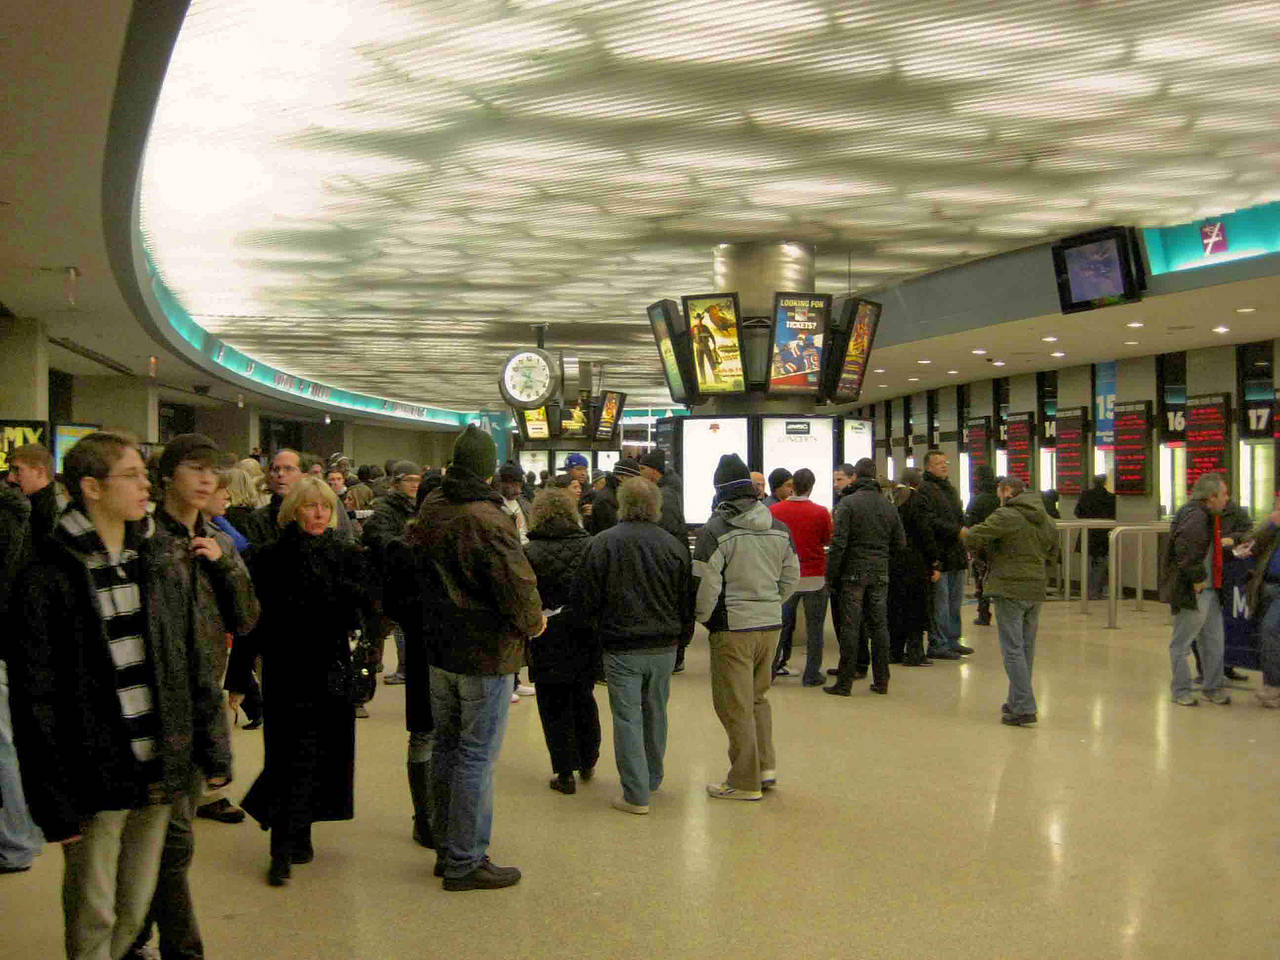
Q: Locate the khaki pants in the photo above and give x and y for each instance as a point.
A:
(741, 672)
(108, 879)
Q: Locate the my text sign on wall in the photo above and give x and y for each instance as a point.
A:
(1133, 448)
(1208, 435)
(17, 433)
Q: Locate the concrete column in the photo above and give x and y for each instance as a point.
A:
(118, 403)
(949, 421)
(24, 370)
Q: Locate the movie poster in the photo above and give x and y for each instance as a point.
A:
(18, 433)
(573, 418)
(861, 338)
(799, 321)
(609, 412)
(535, 424)
(717, 357)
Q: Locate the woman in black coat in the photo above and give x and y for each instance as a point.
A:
(912, 573)
(314, 590)
(564, 660)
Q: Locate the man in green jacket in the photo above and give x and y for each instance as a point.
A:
(1019, 539)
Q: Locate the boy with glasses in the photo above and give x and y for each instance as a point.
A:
(116, 709)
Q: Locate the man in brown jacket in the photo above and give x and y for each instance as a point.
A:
(480, 597)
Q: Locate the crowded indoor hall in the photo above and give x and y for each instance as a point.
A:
(779, 478)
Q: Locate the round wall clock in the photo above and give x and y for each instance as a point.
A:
(529, 378)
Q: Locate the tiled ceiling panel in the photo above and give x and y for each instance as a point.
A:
(385, 194)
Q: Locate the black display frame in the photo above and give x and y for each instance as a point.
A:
(1069, 414)
(1131, 271)
(1121, 485)
(681, 348)
(598, 415)
(699, 396)
(840, 334)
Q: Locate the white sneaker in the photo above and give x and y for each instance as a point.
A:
(640, 809)
(525, 690)
(722, 791)
(768, 779)
(515, 698)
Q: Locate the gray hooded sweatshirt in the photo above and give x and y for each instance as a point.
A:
(746, 567)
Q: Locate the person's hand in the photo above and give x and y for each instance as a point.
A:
(964, 532)
(543, 628)
(935, 576)
(234, 700)
(70, 840)
(206, 547)
(218, 783)
(1200, 586)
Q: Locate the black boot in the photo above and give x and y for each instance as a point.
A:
(420, 791)
(300, 848)
(984, 612)
(279, 871)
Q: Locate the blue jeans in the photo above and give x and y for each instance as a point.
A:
(1017, 622)
(948, 594)
(1269, 634)
(639, 684)
(20, 838)
(1203, 625)
(815, 615)
(471, 716)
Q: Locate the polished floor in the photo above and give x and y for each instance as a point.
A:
(908, 826)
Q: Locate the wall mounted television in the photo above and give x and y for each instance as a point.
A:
(672, 337)
(1098, 269)
(611, 404)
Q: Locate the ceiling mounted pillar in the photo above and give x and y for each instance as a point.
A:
(759, 269)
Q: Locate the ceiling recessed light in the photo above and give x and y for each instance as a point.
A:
(1131, 343)
(1057, 353)
(912, 379)
(1134, 323)
(878, 370)
(1246, 309)
(997, 363)
(978, 352)
(882, 385)
(953, 371)
(1221, 329)
(1049, 339)
(924, 361)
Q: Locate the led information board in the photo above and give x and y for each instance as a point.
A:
(1208, 434)
(1019, 447)
(978, 447)
(717, 355)
(795, 442)
(1073, 451)
(799, 323)
(702, 442)
(1132, 448)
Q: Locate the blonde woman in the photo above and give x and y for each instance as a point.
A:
(314, 591)
(257, 480)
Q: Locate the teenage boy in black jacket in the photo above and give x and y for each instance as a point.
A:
(115, 705)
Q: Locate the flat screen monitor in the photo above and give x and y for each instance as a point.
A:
(611, 404)
(535, 461)
(799, 325)
(1096, 269)
(851, 349)
(859, 441)
(717, 352)
(703, 441)
(797, 442)
(607, 459)
(663, 317)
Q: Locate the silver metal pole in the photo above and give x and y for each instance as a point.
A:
(1137, 595)
(1113, 571)
(1084, 570)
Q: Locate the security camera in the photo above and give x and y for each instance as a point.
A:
(201, 389)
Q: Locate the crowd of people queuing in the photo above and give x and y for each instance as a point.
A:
(151, 604)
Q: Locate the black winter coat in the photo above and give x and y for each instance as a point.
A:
(867, 529)
(15, 543)
(73, 747)
(391, 515)
(636, 587)
(672, 487)
(946, 515)
(1190, 540)
(567, 651)
(604, 508)
(912, 567)
(406, 573)
(1097, 503)
(314, 591)
(983, 505)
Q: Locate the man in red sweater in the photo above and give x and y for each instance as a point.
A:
(810, 526)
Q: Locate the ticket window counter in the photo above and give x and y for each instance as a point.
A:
(1257, 491)
(1173, 478)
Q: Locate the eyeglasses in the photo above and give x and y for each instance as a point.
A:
(134, 476)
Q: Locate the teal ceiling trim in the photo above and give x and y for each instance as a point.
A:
(1240, 235)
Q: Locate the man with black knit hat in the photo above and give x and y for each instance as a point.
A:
(746, 567)
(781, 486)
(480, 597)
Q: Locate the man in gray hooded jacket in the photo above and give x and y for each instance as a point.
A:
(746, 567)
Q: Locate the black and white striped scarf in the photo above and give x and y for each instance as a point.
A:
(118, 595)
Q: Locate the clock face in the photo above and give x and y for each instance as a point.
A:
(528, 379)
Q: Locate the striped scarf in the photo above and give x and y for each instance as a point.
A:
(118, 596)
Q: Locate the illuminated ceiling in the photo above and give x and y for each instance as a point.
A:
(384, 194)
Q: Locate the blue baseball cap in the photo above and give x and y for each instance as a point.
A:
(576, 460)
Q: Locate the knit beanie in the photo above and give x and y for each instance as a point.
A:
(405, 468)
(655, 459)
(474, 452)
(777, 477)
(626, 467)
(733, 479)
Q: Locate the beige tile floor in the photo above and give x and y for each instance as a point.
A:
(907, 826)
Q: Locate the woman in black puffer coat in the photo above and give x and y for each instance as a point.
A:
(564, 660)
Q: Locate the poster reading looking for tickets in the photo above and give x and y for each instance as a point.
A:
(717, 356)
(17, 433)
(799, 320)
